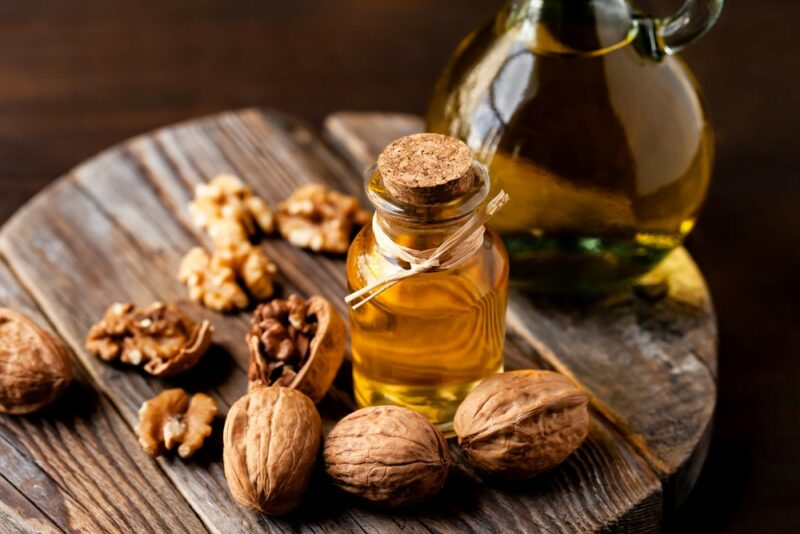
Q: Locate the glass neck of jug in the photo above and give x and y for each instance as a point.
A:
(593, 27)
(572, 27)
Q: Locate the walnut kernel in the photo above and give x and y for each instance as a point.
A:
(296, 343)
(214, 279)
(226, 198)
(258, 273)
(231, 215)
(389, 455)
(517, 424)
(35, 367)
(160, 336)
(173, 418)
(320, 219)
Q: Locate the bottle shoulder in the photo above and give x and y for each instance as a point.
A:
(485, 271)
(498, 76)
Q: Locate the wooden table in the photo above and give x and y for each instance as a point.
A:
(115, 228)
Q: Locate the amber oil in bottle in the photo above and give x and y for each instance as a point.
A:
(427, 340)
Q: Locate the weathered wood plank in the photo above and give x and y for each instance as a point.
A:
(360, 137)
(644, 362)
(18, 513)
(78, 464)
(650, 365)
(116, 228)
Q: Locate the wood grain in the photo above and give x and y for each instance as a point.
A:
(649, 364)
(115, 229)
(76, 465)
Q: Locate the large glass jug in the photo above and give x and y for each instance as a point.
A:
(596, 130)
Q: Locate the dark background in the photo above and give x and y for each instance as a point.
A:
(78, 76)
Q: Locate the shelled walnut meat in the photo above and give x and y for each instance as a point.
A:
(231, 215)
(226, 198)
(159, 336)
(389, 455)
(270, 444)
(217, 280)
(296, 343)
(211, 281)
(320, 219)
(518, 424)
(35, 367)
(174, 418)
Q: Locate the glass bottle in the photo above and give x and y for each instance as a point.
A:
(597, 132)
(427, 340)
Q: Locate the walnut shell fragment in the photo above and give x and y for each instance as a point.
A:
(35, 367)
(173, 418)
(389, 455)
(159, 336)
(518, 424)
(297, 344)
(271, 441)
(320, 219)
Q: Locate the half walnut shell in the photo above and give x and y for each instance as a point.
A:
(296, 344)
(160, 337)
(187, 356)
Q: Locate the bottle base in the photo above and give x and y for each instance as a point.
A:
(438, 403)
(583, 265)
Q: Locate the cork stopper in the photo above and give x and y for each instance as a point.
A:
(426, 168)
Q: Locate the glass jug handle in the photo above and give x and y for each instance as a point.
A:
(669, 36)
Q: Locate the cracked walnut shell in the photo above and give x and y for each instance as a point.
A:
(518, 424)
(389, 455)
(271, 441)
(320, 219)
(297, 344)
(173, 418)
(35, 367)
(160, 336)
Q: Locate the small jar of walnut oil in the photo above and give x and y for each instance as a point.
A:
(429, 281)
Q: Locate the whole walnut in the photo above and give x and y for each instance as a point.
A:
(35, 367)
(271, 440)
(296, 343)
(388, 455)
(517, 424)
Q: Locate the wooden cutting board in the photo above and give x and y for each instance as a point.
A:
(115, 229)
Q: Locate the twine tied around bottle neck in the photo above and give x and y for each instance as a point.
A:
(456, 249)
